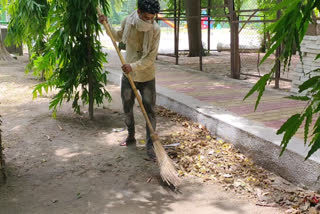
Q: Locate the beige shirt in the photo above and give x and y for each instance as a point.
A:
(143, 67)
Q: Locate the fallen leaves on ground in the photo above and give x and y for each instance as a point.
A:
(198, 153)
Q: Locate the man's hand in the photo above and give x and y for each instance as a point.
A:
(103, 18)
(126, 68)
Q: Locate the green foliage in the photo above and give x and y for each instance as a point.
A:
(289, 128)
(288, 31)
(74, 54)
(120, 9)
(204, 3)
(72, 59)
(259, 87)
(27, 22)
(268, 15)
(28, 25)
(291, 27)
(116, 7)
(217, 10)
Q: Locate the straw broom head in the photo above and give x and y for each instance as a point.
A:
(168, 171)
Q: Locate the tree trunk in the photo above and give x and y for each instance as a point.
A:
(90, 73)
(278, 62)
(194, 27)
(234, 41)
(4, 54)
(2, 170)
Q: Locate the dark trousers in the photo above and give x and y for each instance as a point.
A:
(148, 93)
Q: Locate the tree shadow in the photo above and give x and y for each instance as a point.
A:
(81, 156)
(81, 169)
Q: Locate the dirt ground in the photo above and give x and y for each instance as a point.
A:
(73, 165)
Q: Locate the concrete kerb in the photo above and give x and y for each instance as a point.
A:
(253, 139)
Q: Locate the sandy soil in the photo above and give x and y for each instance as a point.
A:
(73, 165)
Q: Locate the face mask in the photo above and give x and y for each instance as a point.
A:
(144, 25)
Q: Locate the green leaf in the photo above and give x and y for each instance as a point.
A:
(272, 49)
(288, 123)
(309, 83)
(308, 114)
(284, 4)
(300, 98)
(54, 114)
(259, 87)
(290, 127)
(316, 128)
(315, 146)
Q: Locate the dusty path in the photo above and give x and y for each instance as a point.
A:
(73, 165)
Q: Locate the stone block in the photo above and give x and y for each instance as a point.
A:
(313, 30)
(310, 38)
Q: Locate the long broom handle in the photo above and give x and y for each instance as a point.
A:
(133, 86)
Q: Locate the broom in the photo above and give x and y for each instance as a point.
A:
(168, 172)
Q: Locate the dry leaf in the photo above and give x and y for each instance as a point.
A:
(200, 154)
(60, 127)
(48, 137)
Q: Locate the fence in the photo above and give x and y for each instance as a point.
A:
(232, 37)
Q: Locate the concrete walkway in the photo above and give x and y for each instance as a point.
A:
(217, 102)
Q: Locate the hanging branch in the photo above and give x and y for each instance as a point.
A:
(290, 30)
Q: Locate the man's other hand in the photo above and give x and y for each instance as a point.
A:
(103, 18)
(127, 68)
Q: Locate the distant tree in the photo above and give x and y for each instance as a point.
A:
(28, 25)
(192, 10)
(194, 26)
(4, 54)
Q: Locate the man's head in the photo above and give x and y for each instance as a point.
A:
(147, 9)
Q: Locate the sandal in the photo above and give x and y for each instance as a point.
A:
(128, 141)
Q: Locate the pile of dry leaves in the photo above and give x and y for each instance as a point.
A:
(197, 153)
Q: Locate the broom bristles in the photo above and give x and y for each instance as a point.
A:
(168, 171)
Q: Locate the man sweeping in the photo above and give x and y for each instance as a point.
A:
(141, 34)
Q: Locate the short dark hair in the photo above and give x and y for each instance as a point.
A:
(149, 6)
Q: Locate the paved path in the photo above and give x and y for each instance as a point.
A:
(273, 110)
(226, 93)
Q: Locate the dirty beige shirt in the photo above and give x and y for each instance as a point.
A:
(143, 67)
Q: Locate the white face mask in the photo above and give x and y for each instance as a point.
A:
(144, 25)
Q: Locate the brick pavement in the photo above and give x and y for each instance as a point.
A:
(226, 93)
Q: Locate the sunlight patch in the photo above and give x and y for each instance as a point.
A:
(67, 153)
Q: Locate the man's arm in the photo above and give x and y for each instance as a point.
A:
(117, 34)
(148, 59)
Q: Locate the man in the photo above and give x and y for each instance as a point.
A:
(141, 34)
